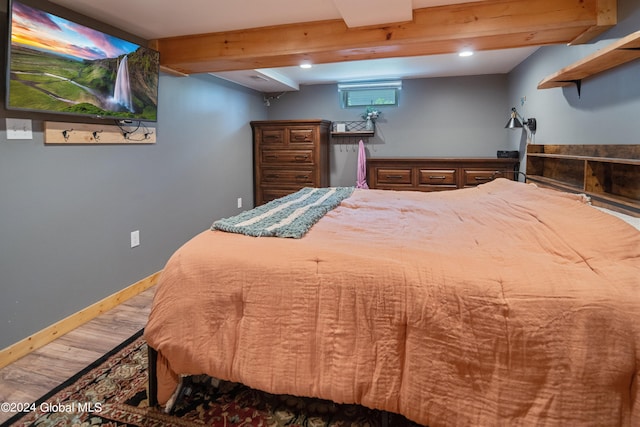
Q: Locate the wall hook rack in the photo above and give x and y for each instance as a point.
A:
(86, 133)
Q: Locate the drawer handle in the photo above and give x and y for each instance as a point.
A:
(483, 178)
(302, 176)
(299, 137)
(272, 176)
(394, 177)
(302, 158)
(271, 138)
(437, 177)
(271, 156)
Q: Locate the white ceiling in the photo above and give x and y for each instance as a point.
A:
(154, 19)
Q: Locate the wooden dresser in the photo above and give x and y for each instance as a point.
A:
(437, 174)
(289, 155)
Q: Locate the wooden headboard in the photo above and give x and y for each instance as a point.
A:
(609, 174)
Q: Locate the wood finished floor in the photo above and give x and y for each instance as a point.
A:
(35, 374)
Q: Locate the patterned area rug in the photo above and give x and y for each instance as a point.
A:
(113, 392)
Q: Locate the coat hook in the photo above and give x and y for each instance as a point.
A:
(65, 134)
(96, 135)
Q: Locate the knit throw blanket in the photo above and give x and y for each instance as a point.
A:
(289, 216)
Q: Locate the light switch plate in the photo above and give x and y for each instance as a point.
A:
(135, 238)
(19, 129)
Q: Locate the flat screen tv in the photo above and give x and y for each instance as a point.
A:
(55, 65)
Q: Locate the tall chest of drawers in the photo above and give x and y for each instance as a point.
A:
(289, 155)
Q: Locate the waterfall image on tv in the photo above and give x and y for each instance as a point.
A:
(58, 66)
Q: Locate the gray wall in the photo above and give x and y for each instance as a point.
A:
(66, 212)
(607, 110)
(442, 117)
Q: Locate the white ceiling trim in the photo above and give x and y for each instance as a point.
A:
(264, 80)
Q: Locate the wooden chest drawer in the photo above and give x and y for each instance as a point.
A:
(271, 193)
(437, 177)
(288, 176)
(393, 176)
(474, 177)
(287, 156)
(301, 136)
(272, 136)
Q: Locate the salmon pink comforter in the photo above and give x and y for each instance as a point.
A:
(505, 304)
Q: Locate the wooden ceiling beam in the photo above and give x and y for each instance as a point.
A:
(606, 17)
(490, 24)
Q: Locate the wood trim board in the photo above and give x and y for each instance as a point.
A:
(21, 348)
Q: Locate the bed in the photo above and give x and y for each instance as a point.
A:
(503, 304)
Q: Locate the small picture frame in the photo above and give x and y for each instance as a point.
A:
(341, 127)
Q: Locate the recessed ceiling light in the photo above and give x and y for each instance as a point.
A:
(465, 53)
(306, 64)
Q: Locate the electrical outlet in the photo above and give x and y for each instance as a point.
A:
(239, 202)
(135, 238)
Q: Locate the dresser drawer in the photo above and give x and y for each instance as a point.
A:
(301, 136)
(271, 193)
(287, 156)
(437, 177)
(272, 136)
(393, 176)
(288, 176)
(478, 176)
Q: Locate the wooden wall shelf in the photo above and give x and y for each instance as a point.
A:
(353, 129)
(624, 50)
(609, 174)
(367, 134)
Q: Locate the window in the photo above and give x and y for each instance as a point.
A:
(369, 93)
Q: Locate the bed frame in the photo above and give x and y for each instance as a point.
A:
(609, 174)
(152, 356)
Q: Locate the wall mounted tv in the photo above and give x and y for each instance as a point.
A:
(55, 65)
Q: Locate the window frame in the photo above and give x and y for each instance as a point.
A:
(382, 93)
